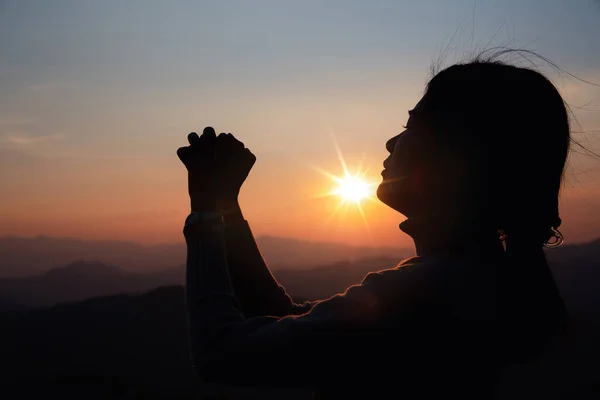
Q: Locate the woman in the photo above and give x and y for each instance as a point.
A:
(477, 172)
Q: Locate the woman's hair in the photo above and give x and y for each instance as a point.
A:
(512, 126)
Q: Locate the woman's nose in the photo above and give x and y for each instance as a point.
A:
(391, 144)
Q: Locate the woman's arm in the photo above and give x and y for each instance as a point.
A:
(293, 351)
(217, 168)
(255, 287)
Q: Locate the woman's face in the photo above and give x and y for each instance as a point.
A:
(421, 176)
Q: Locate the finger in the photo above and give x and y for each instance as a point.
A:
(248, 158)
(208, 138)
(234, 142)
(209, 133)
(223, 140)
(251, 157)
(182, 153)
(193, 138)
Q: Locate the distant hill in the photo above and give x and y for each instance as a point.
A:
(82, 280)
(79, 281)
(8, 304)
(576, 269)
(284, 253)
(21, 257)
(325, 281)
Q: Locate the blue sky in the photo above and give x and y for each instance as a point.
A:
(107, 90)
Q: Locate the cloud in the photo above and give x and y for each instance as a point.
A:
(21, 139)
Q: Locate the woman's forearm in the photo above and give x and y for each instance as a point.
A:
(210, 297)
(206, 263)
(256, 288)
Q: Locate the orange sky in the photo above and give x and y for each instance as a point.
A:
(145, 199)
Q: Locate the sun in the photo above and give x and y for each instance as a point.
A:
(353, 188)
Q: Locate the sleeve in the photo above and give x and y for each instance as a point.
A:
(291, 351)
(257, 290)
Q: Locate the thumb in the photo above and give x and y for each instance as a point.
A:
(183, 153)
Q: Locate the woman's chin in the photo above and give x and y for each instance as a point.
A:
(389, 195)
(397, 197)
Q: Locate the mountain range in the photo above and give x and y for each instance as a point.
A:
(576, 269)
(82, 280)
(78, 281)
(28, 256)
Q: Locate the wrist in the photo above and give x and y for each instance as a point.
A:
(203, 205)
(203, 224)
(230, 209)
(227, 203)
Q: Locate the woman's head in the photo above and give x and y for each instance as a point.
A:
(486, 145)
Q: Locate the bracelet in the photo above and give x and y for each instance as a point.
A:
(196, 217)
(203, 221)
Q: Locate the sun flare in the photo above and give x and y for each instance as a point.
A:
(353, 188)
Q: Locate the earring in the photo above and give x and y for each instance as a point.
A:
(556, 239)
(502, 235)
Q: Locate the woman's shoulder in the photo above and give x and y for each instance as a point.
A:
(408, 272)
(420, 275)
(430, 262)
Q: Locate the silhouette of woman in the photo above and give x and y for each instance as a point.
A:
(477, 172)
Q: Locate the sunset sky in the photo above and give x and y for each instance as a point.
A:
(96, 96)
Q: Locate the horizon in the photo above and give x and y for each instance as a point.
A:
(409, 247)
(179, 243)
(98, 96)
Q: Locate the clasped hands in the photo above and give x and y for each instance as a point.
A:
(217, 167)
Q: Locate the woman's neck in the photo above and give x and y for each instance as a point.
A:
(446, 237)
